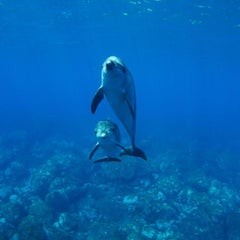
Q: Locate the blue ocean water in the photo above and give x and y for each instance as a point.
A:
(184, 57)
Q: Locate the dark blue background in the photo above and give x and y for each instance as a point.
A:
(184, 56)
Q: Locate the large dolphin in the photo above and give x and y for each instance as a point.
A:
(108, 138)
(118, 86)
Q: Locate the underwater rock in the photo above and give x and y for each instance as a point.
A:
(114, 171)
(58, 151)
(232, 226)
(40, 183)
(52, 172)
(42, 178)
(12, 213)
(169, 185)
(149, 232)
(199, 181)
(58, 199)
(63, 193)
(155, 210)
(131, 230)
(200, 226)
(6, 230)
(95, 191)
(109, 210)
(134, 236)
(103, 230)
(87, 215)
(57, 233)
(16, 172)
(68, 222)
(41, 212)
(30, 228)
(166, 212)
(130, 199)
(221, 194)
(15, 199)
(5, 191)
(189, 195)
(203, 212)
(131, 203)
(130, 169)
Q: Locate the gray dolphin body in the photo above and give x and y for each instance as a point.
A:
(118, 87)
(108, 138)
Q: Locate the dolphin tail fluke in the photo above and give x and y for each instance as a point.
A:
(97, 99)
(139, 153)
(134, 151)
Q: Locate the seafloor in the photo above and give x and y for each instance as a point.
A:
(50, 190)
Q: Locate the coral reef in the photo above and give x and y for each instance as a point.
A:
(64, 196)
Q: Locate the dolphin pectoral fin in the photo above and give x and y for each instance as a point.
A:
(98, 97)
(134, 151)
(107, 159)
(93, 150)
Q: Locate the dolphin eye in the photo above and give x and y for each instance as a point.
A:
(114, 130)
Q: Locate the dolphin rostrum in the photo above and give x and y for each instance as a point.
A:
(118, 87)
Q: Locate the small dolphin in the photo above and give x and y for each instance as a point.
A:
(118, 86)
(108, 138)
